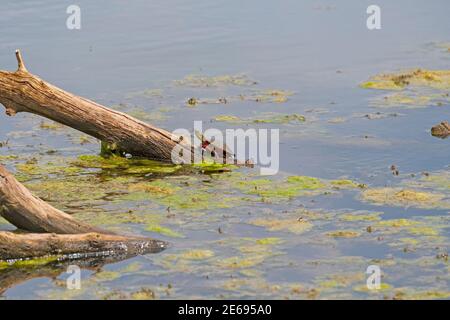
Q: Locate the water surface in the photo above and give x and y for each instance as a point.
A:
(318, 50)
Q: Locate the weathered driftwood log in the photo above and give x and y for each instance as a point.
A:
(28, 245)
(21, 208)
(21, 91)
(441, 130)
(57, 233)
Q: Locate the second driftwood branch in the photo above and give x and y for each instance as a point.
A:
(51, 232)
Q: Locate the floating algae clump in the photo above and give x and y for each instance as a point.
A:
(197, 254)
(31, 168)
(178, 196)
(375, 216)
(227, 118)
(416, 228)
(422, 295)
(282, 119)
(271, 96)
(397, 223)
(158, 187)
(423, 231)
(70, 190)
(438, 180)
(339, 280)
(404, 197)
(346, 184)
(275, 118)
(163, 230)
(304, 182)
(411, 99)
(131, 166)
(364, 288)
(143, 294)
(268, 241)
(343, 234)
(292, 225)
(241, 262)
(293, 186)
(419, 88)
(209, 167)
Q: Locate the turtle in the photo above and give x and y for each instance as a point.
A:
(441, 130)
(216, 149)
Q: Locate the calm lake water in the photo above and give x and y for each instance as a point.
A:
(229, 240)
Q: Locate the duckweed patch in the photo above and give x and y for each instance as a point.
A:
(268, 241)
(397, 223)
(421, 294)
(404, 197)
(28, 263)
(383, 287)
(67, 190)
(411, 100)
(241, 262)
(143, 294)
(269, 96)
(130, 166)
(163, 230)
(375, 216)
(291, 187)
(346, 184)
(197, 254)
(157, 187)
(339, 280)
(438, 180)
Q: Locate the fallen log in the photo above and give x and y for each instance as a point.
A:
(15, 246)
(21, 91)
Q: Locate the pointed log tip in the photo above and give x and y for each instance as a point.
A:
(20, 63)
